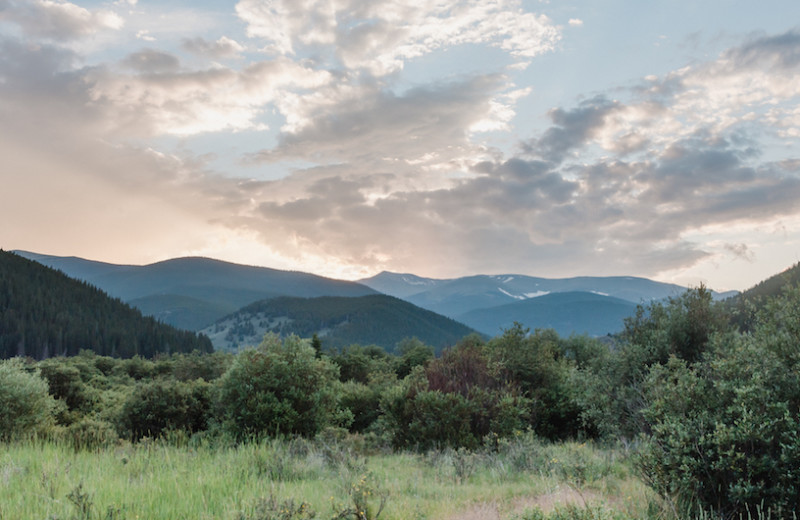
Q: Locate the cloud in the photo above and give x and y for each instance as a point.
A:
(164, 100)
(368, 123)
(741, 251)
(572, 128)
(150, 61)
(223, 48)
(376, 172)
(381, 36)
(57, 20)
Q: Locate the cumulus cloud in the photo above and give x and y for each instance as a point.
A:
(572, 128)
(57, 20)
(381, 36)
(164, 100)
(616, 183)
(369, 123)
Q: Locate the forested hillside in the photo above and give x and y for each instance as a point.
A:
(192, 293)
(44, 313)
(773, 285)
(338, 321)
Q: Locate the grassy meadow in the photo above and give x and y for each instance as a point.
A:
(521, 478)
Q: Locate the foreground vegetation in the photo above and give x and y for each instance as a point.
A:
(699, 403)
(324, 478)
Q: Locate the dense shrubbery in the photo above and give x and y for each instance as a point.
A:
(279, 388)
(725, 431)
(158, 406)
(713, 411)
(26, 407)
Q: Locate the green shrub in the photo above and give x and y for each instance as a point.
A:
(609, 387)
(358, 363)
(155, 407)
(279, 388)
(537, 364)
(26, 407)
(726, 432)
(455, 402)
(65, 382)
(413, 353)
(362, 401)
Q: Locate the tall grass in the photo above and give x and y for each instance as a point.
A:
(307, 479)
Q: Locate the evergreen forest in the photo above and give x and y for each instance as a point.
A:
(44, 313)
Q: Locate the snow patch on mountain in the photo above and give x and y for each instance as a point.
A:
(515, 296)
(418, 281)
(536, 294)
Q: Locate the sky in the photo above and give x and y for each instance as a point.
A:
(438, 137)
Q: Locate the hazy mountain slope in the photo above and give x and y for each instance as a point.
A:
(367, 320)
(460, 295)
(183, 312)
(217, 287)
(744, 307)
(74, 266)
(566, 312)
(479, 292)
(45, 313)
(401, 285)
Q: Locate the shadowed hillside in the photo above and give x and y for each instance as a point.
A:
(566, 313)
(367, 320)
(45, 313)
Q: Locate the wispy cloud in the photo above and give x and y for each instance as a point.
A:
(381, 36)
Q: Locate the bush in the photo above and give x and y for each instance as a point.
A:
(537, 365)
(26, 407)
(276, 389)
(362, 401)
(155, 407)
(609, 387)
(725, 431)
(423, 417)
(64, 382)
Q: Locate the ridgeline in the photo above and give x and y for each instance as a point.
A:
(44, 313)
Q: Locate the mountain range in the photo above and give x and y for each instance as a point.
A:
(491, 303)
(213, 296)
(192, 293)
